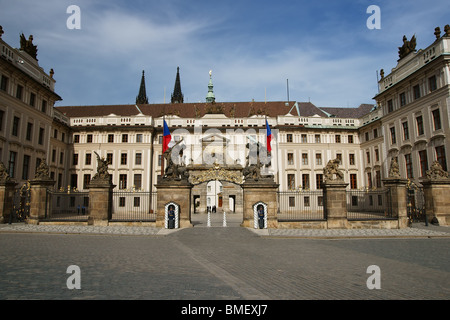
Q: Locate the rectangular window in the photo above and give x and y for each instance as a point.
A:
(53, 155)
(86, 181)
(393, 138)
(440, 157)
(337, 138)
(159, 160)
(409, 166)
(318, 159)
(138, 160)
(291, 181)
(32, 99)
(319, 181)
(29, 131)
(368, 157)
(75, 159)
(436, 119)
(44, 106)
(317, 138)
(405, 130)
(88, 159)
(390, 106)
(290, 158)
(89, 138)
(353, 181)
(304, 158)
(423, 159)
(41, 136)
(305, 181)
(19, 92)
(366, 136)
(339, 157)
(306, 202)
(74, 180)
(121, 201)
(289, 137)
(378, 178)
(110, 138)
(350, 139)
(26, 167)
(304, 138)
(138, 181)
(416, 89)
(122, 181)
(419, 121)
(4, 83)
(61, 157)
(139, 138)
(124, 138)
(375, 133)
(291, 202)
(76, 138)
(351, 159)
(377, 155)
(402, 99)
(137, 201)
(109, 158)
(369, 180)
(15, 128)
(2, 113)
(123, 158)
(432, 83)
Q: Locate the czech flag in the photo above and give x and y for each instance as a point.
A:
(269, 137)
(167, 137)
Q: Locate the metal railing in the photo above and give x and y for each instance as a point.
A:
(369, 205)
(300, 205)
(133, 206)
(67, 206)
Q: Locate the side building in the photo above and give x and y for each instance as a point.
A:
(415, 101)
(27, 99)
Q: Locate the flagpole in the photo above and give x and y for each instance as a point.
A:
(162, 147)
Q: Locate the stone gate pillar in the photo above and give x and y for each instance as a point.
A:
(38, 193)
(7, 189)
(335, 204)
(179, 192)
(260, 191)
(100, 202)
(100, 195)
(436, 189)
(397, 187)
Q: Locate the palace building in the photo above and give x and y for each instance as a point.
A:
(408, 122)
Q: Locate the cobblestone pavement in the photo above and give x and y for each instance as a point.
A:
(222, 263)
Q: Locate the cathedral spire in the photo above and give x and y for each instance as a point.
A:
(142, 96)
(210, 97)
(177, 95)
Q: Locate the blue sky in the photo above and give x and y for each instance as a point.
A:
(323, 47)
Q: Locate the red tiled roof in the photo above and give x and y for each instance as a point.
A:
(184, 110)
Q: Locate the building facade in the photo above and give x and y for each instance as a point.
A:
(410, 121)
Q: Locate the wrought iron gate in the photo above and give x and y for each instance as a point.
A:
(415, 203)
(21, 204)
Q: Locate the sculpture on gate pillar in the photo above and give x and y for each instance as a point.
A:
(42, 172)
(4, 176)
(102, 169)
(436, 172)
(174, 171)
(332, 172)
(394, 170)
(252, 171)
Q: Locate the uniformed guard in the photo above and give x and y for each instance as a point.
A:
(261, 216)
(171, 217)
